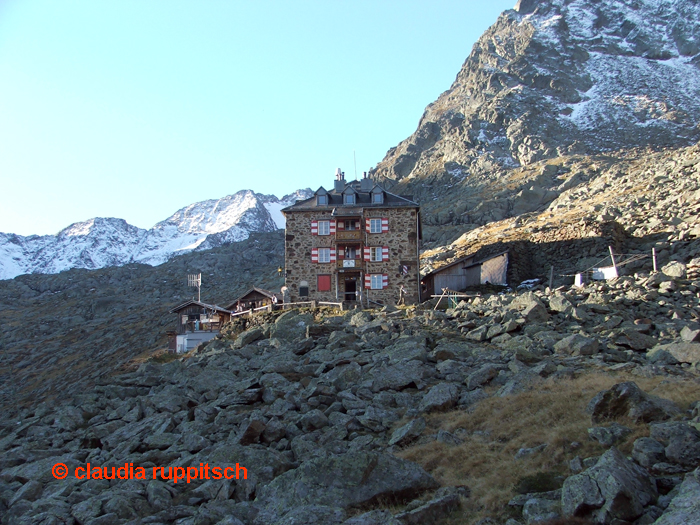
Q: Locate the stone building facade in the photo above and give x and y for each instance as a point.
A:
(357, 243)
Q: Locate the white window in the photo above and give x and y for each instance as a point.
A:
(376, 282)
(324, 255)
(375, 226)
(349, 198)
(324, 227)
(375, 254)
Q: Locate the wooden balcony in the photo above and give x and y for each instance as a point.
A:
(350, 263)
(348, 235)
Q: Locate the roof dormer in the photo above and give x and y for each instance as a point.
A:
(349, 196)
(377, 195)
(321, 197)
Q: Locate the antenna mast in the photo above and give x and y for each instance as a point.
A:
(354, 159)
(196, 280)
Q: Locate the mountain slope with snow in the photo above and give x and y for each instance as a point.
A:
(101, 242)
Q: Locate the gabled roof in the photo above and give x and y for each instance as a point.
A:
(463, 259)
(363, 199)
(266, 293)
(199, 303)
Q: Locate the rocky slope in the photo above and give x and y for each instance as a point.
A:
(554, 78)
(62, 332)
(102, 242)
(322, 409)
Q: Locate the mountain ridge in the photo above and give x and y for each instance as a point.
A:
(104, 241)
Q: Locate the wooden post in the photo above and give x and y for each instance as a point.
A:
(653, 257)
(551, 277)
(612, 256)
(444, 291)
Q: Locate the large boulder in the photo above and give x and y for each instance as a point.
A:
(577, 344)
(343, 481)
(291, 325)
(628, 400)
(442, 396)
(681, 440)
(614, 489)
(685, 507)
(682, 351)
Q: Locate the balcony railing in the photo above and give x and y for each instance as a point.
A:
(349, 263)
(348, 235)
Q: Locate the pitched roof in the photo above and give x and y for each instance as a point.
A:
(462, 259)
(363, 199)
(199, 303)
(266, 293)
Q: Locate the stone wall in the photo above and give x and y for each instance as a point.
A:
(402, 239)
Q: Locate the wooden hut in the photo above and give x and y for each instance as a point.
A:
(196, 322)
(254, 298)
(465, 272)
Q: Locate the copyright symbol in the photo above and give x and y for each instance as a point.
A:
(59, 471)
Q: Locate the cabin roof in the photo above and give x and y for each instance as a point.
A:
(266, 293)
(462, 259)
(199, 303)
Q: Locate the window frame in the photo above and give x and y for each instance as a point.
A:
(373, 251)
(324, 251)
(327, 227)
(374, 279)
(322, 200)
(375, 221)
(349, 198)
(377, 198)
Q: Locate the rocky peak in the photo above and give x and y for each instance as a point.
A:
(556, 77)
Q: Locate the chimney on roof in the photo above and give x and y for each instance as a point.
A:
(365, 183)
(339, 180)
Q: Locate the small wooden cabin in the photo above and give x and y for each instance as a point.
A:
(254, 298)
(196, 322)
(465, 272)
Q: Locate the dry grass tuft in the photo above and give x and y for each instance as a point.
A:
(496, 428)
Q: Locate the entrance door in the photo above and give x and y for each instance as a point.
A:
(350, 288)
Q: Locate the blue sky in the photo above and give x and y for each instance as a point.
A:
(134, 109)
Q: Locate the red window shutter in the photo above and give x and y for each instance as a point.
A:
(332, 255)
(332, 227)
(324, 283)
(314, 227)
(385, 225)
(367, 253)
(368, 281)
(314, 255)
(385, 280)
(385, 253)
(367, 225)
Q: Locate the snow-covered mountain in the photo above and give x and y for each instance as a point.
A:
(101, 242)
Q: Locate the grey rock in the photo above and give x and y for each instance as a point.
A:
(442, 396)
(538, 510)
(374, 517)
(682, 442)
(482, 376)
(343, 481)
(407, 433)
(682, 351)
(431, 512)
(615, 488)
(647, 452)
(675, 269)
(628, 400)
(577, 344)
(609, 435)
(685, 506)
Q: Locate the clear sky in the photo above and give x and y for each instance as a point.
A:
(135, 108)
